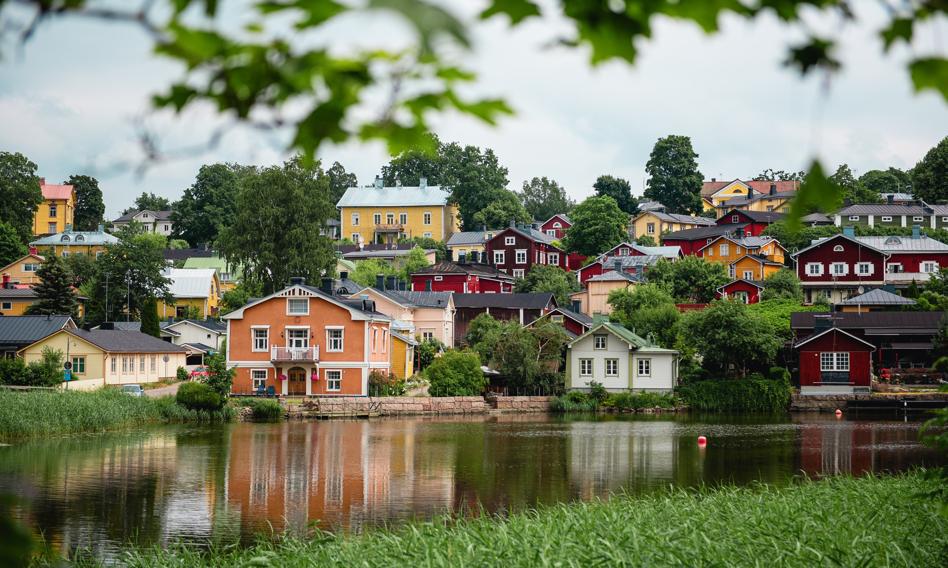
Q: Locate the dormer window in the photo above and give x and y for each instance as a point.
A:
(64, 239)
(80, 238)
(838, 248)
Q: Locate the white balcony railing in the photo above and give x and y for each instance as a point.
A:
(310, 354)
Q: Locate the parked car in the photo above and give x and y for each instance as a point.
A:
(199, 373)
(133, 390)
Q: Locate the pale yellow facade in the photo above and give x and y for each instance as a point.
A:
(725, 250)
(458, 250)
(437, 323)
(23, 270)
(750, 268)
(648, 224)
(403, 357)
(736, 189)
(387, 224)
(206, 306)
(594, 299)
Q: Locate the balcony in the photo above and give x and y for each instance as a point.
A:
(294, 354)
(389, 228)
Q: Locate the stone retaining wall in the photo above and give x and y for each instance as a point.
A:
(356, 406)
(823, 403)
(520, 403)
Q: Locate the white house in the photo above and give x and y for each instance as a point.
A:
(620, 360)
(154, 221)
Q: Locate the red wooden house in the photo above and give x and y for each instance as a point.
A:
(833, 361)
(556, 226)
(754, 222)
(516, 249)
(462, 279)
(574, 322)
(625, 253)
(747, 291)
(692, 240)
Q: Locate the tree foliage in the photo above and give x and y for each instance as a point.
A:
(415, 261)
(504, 208)
(366, 271)
(779, 175)
(853, 190)
(930, 175)
(54, 293)
(524, 356)
(149, 318)
(689, 279)
(19, 193)
(456, 373)
(598, 225)
(782, 285)
(648, 310)
(127, 275)
(151, 202)
(90, 208)
(209, 204)
(11, 247)
(542, 197)
(289, 205)
(546, 278)
(339, 181)
(730, 339)
(673, 176)
(618, 189)
(892, 180)
(240, 295)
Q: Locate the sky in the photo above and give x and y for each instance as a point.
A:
(71, 100)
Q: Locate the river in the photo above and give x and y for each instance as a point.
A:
(227, 483)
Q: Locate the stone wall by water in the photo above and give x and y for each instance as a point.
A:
(521, 403)
(316, 407)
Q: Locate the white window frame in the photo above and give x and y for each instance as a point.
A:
(305, 328)
(256, 378)
(289, 302)
(427, 234)
(886, 219)
(644, 367)
(6, 306)
(141, 364)
(735, 219)
(650, 228)
(355, 238)
(834, 361)
(917, 219)
(944, 219)
(330, 339)
(518, 272)
(125, 359)
(585, 367)
(891, 265)
(838, 248)
(854, 217)
(929, 266)
(868, 266)
(557, 225)
(389, 218)
(510, 241)
(333, 380)
(520, 256)
(114, 364)
(499, 257)
(439, 278)
(551, 232)
(426, 218)
(842, 265)
(724, 249)
(605, 342)
(427, 335)
(614, 364)
(154, 363)
(30, 267)
(553, 258)
(817, 265)
(748, 275)
(377, 218)
(355, 219)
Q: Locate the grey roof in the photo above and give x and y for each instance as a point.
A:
(650, 205)
(759, 258)
(664, 251)
(123, 341)
(878, 297)
(209, 324)
(758, 216)
(578, 316)
(894, 209)
(817, 219)
(17, 293)
(418, 299)
(124, 325)
(676, 218)
(184, 254)
(904, 244)
(79, 238)
(448, 267)
(562, 216)
(404, 337)
(760, 197)
(630, 261)
(530, 301)
(201, 347)
(344, 286)
(703, 232)
(383, 253)
(532, 233)
(748, 242)
(403, 196)
(614, 276)
(911, 322)
(159, 215)
(469, 238)
(19, 331)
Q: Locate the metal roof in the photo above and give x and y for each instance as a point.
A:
(529, 301)
(208, 324)
(159, 215)
(126, 325)
(124, 341)
(703, 232)
(404, 196)
(893, 209)
(878, 297)
(417, 299)
(469, 238)
(17, 293)
(677, 218)
(79, 238)
(190, 282)
(18, 331)
(663, 251)
(448, 267)
(759, 216)
(904, 244)
(913, 322)
(614, 276)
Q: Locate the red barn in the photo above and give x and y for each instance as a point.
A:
(747, 291)
(692, 240)
(754, 222)
(515, 250)
(556, 226)
(833, 361)
(462, 279)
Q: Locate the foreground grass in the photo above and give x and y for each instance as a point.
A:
(25, 414)
(839, 522)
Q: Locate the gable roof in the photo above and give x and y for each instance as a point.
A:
(448, 267)
(874, 323)
(754, 283)
(527, 301)
(816, 219)
(55, 191)
(746, 242)
(124, 341)
(709, 188)
(702, 232)
(412, 299)
(893, 243)
(878, 297)
(616, 276)
(163, 215)
(756, 216)
(404, 338)
(761, 197)
(404, 196)
(293, 290)
(21, 259)
(759, 259)
(678, 218)
(893, 209)
(634, 340)
(25, 292)
(811, 337)
(826, 240)
(469, 238)
(190, 282)
(528, 232)
(208, 324)
(561, 216)
(124, 325)
(216, 262)
(17, 331)
(80, 238)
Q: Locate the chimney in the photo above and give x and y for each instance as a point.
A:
(773, 188)
(576, 306)
(379, 281)
(422, 182)
(297, 281)
(6, 280)
(390, 283)
(42, 181)
(368, 305)
(750, 192)
(714, 179)
(890, 199)
(33, 250)
(849, 231)
(325, 285)
(107, 326)
(344, 274)
(428, 285)
(916, 232)
(378, 182)
(739, 233)
(402, 285)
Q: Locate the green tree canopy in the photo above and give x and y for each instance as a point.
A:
(648, 310)
(277, 231)
(618, 189)
(11, 246)
(240, 295)
(339, 181)
(127, 275)
(209, 204)
(598, 225)
(150, 201)
(456, 373)
(366, 271)
(673, 176)
(853, 190)
(782, 285)
(546, 278)
(19, 193)
(415, 261)
(930, 175)
(543, 197)
(504, 206)
(54, 293)
(730, 339)
(892, 180)
(689, 279)
(779, 175)
(90, 209)
(149, 318)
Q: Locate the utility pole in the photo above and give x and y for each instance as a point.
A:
(106, 296)
(128, 295)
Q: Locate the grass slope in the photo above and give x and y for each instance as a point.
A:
(839, 522)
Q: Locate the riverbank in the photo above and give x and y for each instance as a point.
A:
(26, 414)
(871, 521)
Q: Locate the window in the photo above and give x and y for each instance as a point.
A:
(741, 296)
(748, 274)
(6, 305)
(839, 269)
(650, 228)
(723, 249)
(166, 227)
(125, 364)
(624, 251)
(585, 367)
(612, 367)
(375, 340)
(154, 363)
(521, 256)
(427, 218)
(834, 361)
(30, 267)
(377, 218)
(551, 232)
(390, 218)
(556, 318)
(886, 219)
(355, 219)
(708, 242)
(427, 235)
(65, 253)
(864, 268)
(929, 266)
(261, 339)
(917, 219)
(78, 365)
(731, 271)
(645, 367)
(114, 364)
(814, 269)
(333, 380)
(297, 306)
(558, 225)
(600, 342)
(854, 217)
(553, 258)
(838, 248)
(52, 228)
(944, 219)
(499, 257)
(52, 209)
(427, 335)
(770, 208)
(510, 241)
(518, 273)
(334, 340)
(297, 338)
(894, 268)
(403, 218)
(735, 218)
(141, 364)
(258, 378)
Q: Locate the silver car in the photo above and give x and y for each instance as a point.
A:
(133, 390)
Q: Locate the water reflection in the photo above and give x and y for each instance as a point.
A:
(229, 482)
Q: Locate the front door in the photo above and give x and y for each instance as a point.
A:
(297, 379)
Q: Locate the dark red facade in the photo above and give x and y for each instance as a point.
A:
(733, 289)
(556, 226)
(840, 249)
(502, 252)
(460, 283)
(752, 228)
(688, 246)
(835, 341)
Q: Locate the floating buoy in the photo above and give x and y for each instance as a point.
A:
(702, 441)
(839, 413)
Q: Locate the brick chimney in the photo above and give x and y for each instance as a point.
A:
(42, 181)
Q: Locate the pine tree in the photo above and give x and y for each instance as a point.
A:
(54, 293)
(149, 317)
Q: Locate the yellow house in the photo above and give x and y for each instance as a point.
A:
(15, 300)
(594, 299)
(57, 211)
(23, 270)
(380, 214)
(727, 249)
(753, 267)
(403, 355)
(92, 243)
(654, 223)
(468, 244)
(197, 288)
(755, 195)
(110, 356)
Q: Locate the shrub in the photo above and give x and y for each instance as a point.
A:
(198, 396)
(219, 377)
(639, 401)
(597, 392)
(385, 384)
(262, 409)
(456, 373)
(753, 394)
(181, 374)
(573, 401)
(779, 374)
(45, 373)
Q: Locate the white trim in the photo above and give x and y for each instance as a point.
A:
(290, 300)
(326, 378)
(824, 332)
(843, 265)
(872, 268)
(342, 339)
(807, 266)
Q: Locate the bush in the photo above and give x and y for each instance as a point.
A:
(45, 373)
(198, 396)
(639, 401)
(597, 392)
(574, 401)
(262, 409)
(456, 373)
(182, 374)
(752, 394)
(779, 374)
(385, 384)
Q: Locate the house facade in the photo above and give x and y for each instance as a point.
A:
(573, 322)
(158, 222)
(23, 270)
(594, 297)
(468, 246)
(619, 360)
(690, 241)
(227, 274)
(556, 226)
(833, 361)
(209, 333)
(57, 211)
(193, 290)
(304, 341)
(752, 223)
(379, 214)
(423, 315)
(14, 300)
(515, 250)
(746, 291)
(462, 278)
(655, 223)
(522, 308)
(755, 195)
(632, 258)
(17, 332)
(90, 243)
(907, 214)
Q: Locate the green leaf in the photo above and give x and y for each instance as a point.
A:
(429, 21)
(516, 10)
(817, 193)
(930, 73)
(814, 53)
(900, 28)
(315, 12)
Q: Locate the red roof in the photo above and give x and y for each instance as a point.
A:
(52, 191)
(759, 186)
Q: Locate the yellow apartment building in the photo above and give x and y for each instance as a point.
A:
(92, 243)
(378, 214)
(197, 288)
(57, 211)
(654, 223)
(755, 195)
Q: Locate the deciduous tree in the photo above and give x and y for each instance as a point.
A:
(674, 179)
(90, 209)
(779, 175)
(151, 202)
(648, 310)
(546, 278)
(618, 189)
(852, 189)
(689, 279)
(504, 206)
(730, 339)
(930, 175)
(11, 246)
(543, 197)
(892, 180)
(19, 193)
(598, 225)
(456, 373)
(339, 181)
(366, 271)
(782, 285)
(210, 204)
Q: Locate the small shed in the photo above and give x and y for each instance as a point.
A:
(874, 300)
(747, 291)
(833, 361)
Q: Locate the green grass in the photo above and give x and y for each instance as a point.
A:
(25, 414)
(262, 409)
(737, 395)
(577, 401)
(839, 522)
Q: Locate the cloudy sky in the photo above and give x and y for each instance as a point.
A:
(71, 98)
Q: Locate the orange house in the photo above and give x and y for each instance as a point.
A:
(303, 341)
(727, 249)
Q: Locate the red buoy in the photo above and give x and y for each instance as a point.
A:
(839, 413)
(702, 441)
